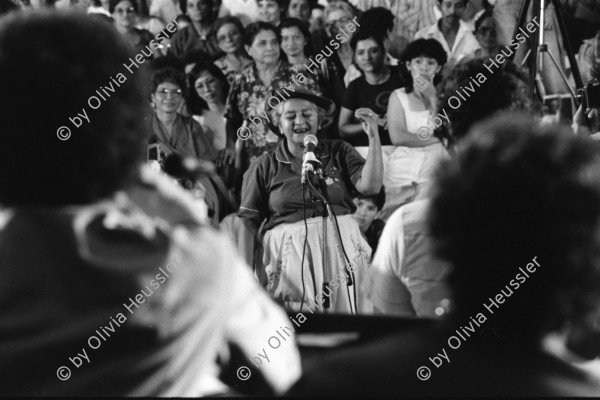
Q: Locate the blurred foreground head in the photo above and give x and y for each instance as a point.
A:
(487, 95)
(516, 191)
(50, 65)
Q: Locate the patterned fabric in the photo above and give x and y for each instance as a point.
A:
(285, 275)
(246, 103)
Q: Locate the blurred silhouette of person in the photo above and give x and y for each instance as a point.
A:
(516, 215)
(111, 282)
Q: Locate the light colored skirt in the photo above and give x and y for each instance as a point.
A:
(408, 175)
(282, 260)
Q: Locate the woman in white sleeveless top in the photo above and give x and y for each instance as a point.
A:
(409, 169)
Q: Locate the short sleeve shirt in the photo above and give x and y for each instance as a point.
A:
(361, 93)
(272, 188)
(407, 279)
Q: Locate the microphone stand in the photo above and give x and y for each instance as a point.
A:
(328, 213)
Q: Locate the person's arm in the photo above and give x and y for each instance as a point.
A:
(399, 135)
(388, 294)
(346, 128)
(371, 178)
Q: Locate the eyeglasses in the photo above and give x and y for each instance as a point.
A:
(341, 21)
(488, 31)
(129, 10)
(166, 92)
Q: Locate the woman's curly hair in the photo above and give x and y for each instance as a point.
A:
(517, 190)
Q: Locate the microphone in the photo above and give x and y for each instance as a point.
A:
(309, 160)
(188, 167)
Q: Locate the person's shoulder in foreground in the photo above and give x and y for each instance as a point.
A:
(110, 283)
(516, 214)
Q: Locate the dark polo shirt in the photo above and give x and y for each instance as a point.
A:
(272, 189)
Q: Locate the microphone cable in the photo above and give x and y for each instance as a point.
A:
(304, 246)
(341, 243)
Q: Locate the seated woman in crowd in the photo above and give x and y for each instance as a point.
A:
(371, 90)
(178, 133)
(210, 87)
(295, 41)
(254, 87)
(337, 15)
(409, 169)
(124, 13)
(379, 20)
(485, 33)
(302, 268)
(367, 207)
(195, 36)
(228, 32)
(271, 11)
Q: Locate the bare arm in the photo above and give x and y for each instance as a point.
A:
(399, 135)
(371, 179)
(346, 127)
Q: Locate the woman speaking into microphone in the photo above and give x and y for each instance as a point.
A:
(305, 266)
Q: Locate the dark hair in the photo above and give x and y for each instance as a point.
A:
(377, 199)
(183, 18)
(302, 27)
(82, 55)
(281, 3)
(195, 103)
(219, 23)
(255, 28)
(504, 90)
(113, 4)
(518, 190)
(7, 6)
(171, 75)
(193, 56)
(422, 48)
(364, 34)
(312, 4)
(209, 3)
(485, 15)
(378, 19)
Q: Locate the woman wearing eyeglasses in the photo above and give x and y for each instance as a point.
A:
(228, 33)
(124, 13)
(183, 135)
(176, 132)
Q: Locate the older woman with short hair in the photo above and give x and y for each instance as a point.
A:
(253, 87)
(307, 267)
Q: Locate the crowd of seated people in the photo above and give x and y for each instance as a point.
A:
(224, 65)
(247, 84)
